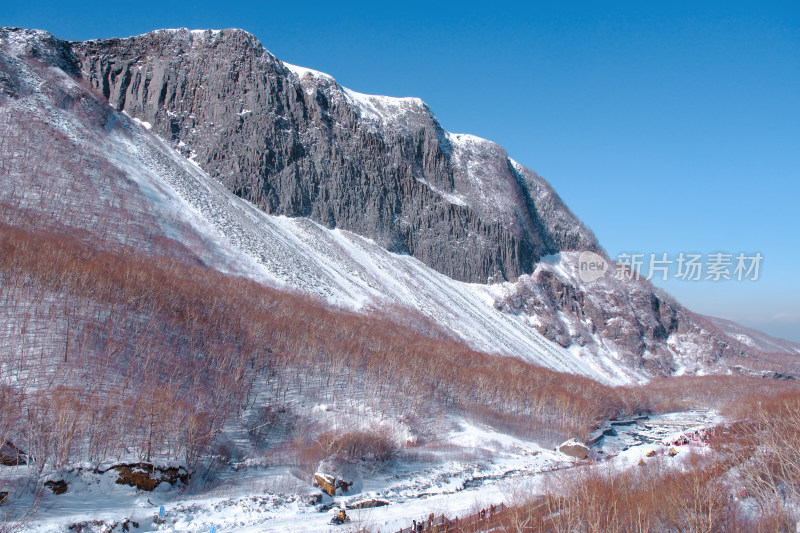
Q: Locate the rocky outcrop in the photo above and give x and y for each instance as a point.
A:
(326, 483)
(57, 486)
(296, 143)
(145, 476)
(11, 455)
(368, 504)
(338, 474)
(575, 449)
(641, 327)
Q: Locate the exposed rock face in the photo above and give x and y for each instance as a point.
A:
(296, 143)
(10, 455)
(58, 487)
(368, 504)
(337, 474)
(326, 483)
(145, 476)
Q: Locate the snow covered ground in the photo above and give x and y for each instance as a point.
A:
(472, 467)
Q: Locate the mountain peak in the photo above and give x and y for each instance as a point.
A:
(39, 44)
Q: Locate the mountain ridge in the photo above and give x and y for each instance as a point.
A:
(755, 338)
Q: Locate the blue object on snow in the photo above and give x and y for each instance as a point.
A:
(213, 529)
(161, 512)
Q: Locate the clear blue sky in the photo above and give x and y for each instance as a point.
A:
(666, 128)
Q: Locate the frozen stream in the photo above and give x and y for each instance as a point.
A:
(477, 467)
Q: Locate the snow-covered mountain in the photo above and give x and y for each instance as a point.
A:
(233, 108)
(302, 284)
(169, 196)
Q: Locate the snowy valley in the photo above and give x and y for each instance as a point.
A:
(174, 336)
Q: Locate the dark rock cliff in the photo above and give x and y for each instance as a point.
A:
(296, 143)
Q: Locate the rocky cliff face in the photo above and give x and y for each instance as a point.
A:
(296, 143)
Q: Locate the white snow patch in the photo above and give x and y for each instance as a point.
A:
(465, 139)
(143, 123)
(302, 72)
(386, 108)
(450, 197)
